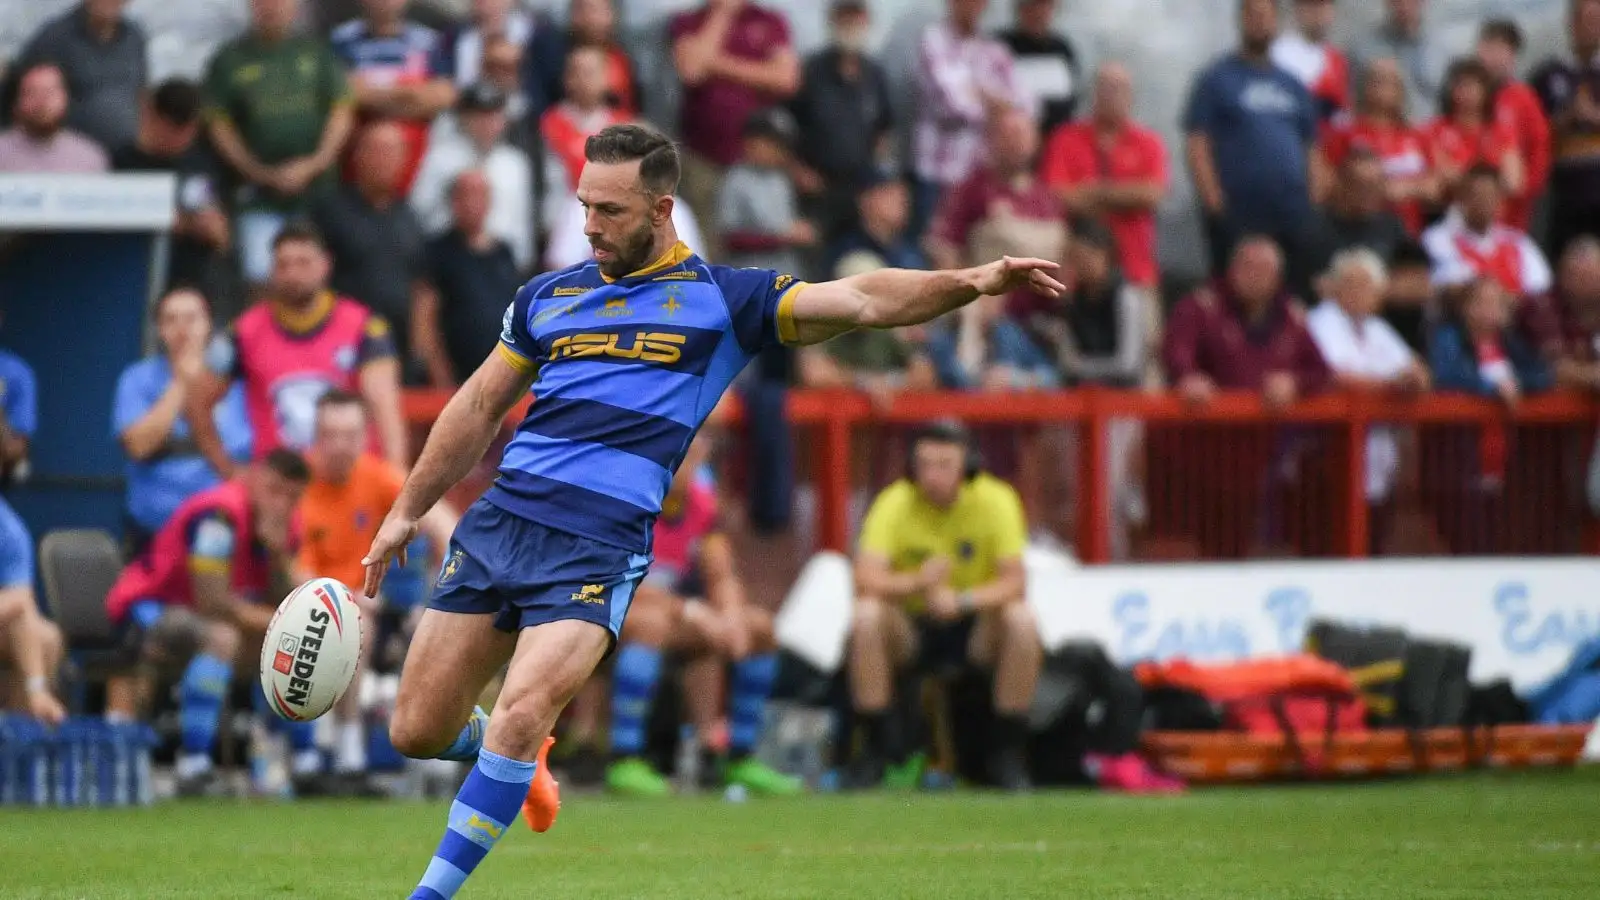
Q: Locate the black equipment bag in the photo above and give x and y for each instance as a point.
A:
(1375, 659)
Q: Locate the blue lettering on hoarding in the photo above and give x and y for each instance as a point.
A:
(1290, 608)
(1525, 631)
(1199, 638)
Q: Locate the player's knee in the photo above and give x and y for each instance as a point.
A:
(220, 640)
(413, 735)
(51, 641)
(870, 619)
(758, 625)
(1019, 625)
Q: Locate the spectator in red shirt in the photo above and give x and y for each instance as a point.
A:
(1307, 54)
(1379, 125)
(1114, 169)
(568, 125)
(733, 58)
(1244, 332)
(1002, 209)
(1518, 110)
(1466, 131)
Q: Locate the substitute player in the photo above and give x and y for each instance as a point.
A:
(297, 344)
(350, 491)
(692, 602)
(195, 597)
(939, 575)
(627, 354)
(30, 645)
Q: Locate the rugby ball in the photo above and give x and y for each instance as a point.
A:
(310, 652)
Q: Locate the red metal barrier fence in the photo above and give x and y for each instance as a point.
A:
(1146, 475)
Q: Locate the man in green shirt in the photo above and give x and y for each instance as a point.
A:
(279, 112)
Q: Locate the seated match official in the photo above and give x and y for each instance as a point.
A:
(940, 583)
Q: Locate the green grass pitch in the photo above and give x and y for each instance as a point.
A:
(1512, 835)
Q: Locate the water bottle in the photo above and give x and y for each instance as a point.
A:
(687, 767)
(8, 765)
(32, 763)
(113, 760)
(69, 764)
(269, 766)
(142, 741)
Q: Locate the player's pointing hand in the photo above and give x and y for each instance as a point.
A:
(393, 538)
(1010, 273)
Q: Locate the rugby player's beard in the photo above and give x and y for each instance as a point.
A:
(633, 255)
(295, 297)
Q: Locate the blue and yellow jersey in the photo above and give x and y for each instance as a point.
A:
(628, 371)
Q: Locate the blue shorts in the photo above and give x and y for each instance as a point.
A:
(526, 574)
(16, 550)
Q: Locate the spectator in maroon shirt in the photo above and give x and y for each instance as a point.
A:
(733, 58)
(1243, 332)
(1002, 209)
(1565, 324)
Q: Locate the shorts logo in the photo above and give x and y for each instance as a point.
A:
(615, 309)
(450, 567)
(654, 346)
(590, 593)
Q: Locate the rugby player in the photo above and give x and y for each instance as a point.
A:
(627, 354)
(202, 594)
(692, 602)
(31, 646)
(350, 491)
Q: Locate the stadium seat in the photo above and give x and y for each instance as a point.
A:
(78, 567)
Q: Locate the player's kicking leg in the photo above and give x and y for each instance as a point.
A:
(550, 663)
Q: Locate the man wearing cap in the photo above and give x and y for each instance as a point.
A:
(476, 140)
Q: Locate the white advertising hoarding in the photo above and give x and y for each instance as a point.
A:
(1521, 616)
(136, 202)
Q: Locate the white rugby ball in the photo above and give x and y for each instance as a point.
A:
(310, 652)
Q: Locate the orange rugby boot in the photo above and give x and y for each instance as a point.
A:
(544, 794)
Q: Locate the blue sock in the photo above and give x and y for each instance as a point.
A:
(486, 805)
(200, 695)
(747, 701)
(470, 740)
(633, 688)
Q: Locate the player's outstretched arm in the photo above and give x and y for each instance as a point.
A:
(890, 298)
(459, 438)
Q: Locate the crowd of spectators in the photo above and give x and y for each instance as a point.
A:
(437, 165)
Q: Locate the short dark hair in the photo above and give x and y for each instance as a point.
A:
(182, 287)
(176, 101)
(288, 465)
(301, 232)
(1504, 31)
(340, 397)
(657, 155)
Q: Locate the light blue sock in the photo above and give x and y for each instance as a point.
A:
(633, 689)
(470, 740)
(200, 695)
(752, 685)
(485, 807)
